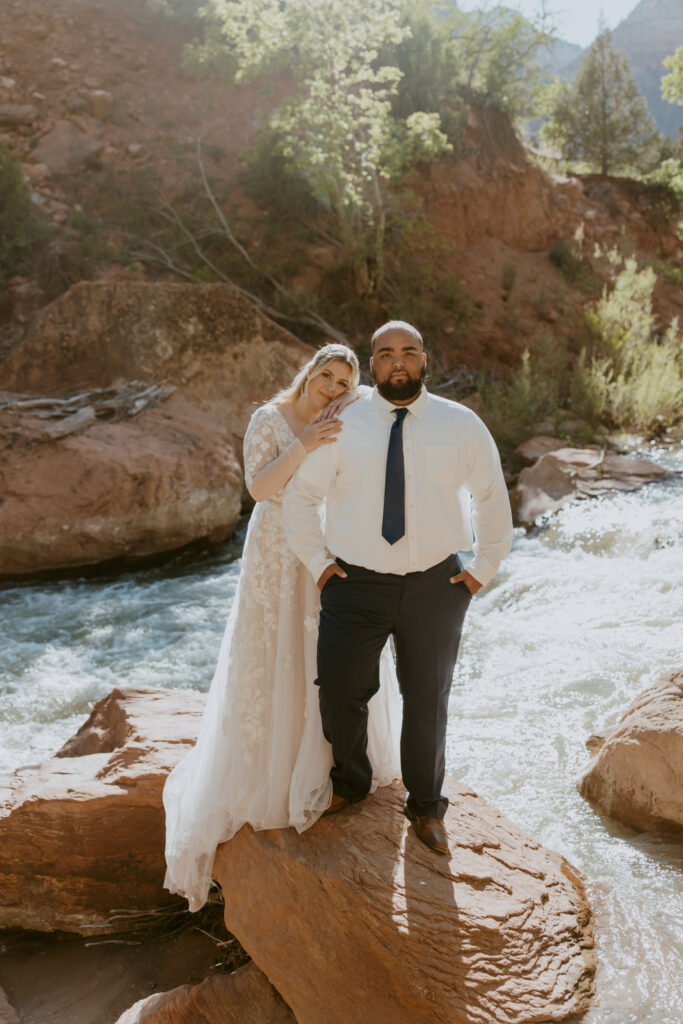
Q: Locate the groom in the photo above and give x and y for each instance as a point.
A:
(408, 479)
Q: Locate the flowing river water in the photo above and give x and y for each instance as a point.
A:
(584, 614)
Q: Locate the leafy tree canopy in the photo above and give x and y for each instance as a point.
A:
(672, 84)
(336, 126)
(496, 52)
(602, 119)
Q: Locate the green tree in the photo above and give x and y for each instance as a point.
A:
(336, 128)
(672, 84)
(496, 53)
(602, 119)
(489, 56)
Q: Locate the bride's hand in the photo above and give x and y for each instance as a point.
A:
(337, 405)
(319, 433)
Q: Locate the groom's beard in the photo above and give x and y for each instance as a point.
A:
(401, 391)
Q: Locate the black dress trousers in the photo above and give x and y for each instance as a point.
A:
(424, 612)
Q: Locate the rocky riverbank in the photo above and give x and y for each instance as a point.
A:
(82, 836)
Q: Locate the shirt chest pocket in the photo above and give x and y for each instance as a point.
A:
(441, 463)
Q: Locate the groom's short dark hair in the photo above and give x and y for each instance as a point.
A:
(396, 325)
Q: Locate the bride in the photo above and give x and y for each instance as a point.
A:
(260, 756)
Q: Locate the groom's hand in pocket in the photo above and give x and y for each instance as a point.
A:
(468, 579)
(332, 570)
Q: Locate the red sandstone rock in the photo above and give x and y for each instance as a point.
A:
(356, 920)
(532, 449)
(220, 352)
(116, 490)
(637, 773)
(82, 834)
(566, 474)
(245, 997)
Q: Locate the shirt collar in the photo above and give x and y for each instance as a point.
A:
(417, 408)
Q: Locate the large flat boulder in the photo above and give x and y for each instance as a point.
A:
(222, 354)
(82, 834)
(114, 490)
(636, 774)
(569, 474)
(356, 920)
(244, 997)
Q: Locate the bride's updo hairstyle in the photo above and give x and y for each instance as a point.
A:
(323, 357)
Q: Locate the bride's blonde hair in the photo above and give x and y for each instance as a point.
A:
(323, 357)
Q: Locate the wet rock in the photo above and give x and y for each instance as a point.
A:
(13, 114)
(82, 835)
(66, 149)
(121, 489)
(244, 997)
(357, 913)
(568, 474)
(82, 981)
(636, 775)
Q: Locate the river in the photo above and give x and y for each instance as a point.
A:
(584, 614)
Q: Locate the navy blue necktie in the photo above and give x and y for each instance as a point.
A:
(394, 517)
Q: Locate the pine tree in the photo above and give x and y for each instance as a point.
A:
(603, 118)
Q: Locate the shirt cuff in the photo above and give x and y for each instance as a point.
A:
(481, 569)
(318, 565)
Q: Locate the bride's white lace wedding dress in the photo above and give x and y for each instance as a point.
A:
(260, 756)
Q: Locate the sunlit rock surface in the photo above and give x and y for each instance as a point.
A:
(123, 489)
(566, 474)
(82, 835)
(636, 775)
(244, 997)
(356, 920)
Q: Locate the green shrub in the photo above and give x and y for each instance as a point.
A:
(668, 180)
(672, 274)
(269, 180)
(632, 377)
(572, 265)
(21, 227)
(534, 392)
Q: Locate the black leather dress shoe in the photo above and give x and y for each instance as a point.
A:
(430, 831)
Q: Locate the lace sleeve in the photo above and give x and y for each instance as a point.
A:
(266, 468)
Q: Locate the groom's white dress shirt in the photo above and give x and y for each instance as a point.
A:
(455, 494)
